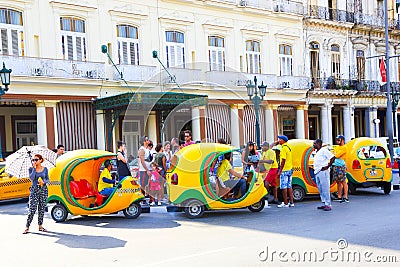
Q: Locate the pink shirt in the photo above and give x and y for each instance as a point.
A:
(189, 143)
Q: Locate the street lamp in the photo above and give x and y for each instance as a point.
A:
(5, 80)
(253, 93)
(395, 102)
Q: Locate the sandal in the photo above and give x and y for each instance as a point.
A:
(41, 229)
(26, 231)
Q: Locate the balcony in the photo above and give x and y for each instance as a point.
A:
(29, 66)
(294, 7)
(344, 84)
(135, 73)
(369, 20)
(331, 14)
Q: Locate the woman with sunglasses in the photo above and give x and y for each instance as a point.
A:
(38, 196)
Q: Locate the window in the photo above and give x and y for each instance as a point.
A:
(335, 61)
(128, 45)
(253, 57)
(11, 32)
(175, 45)
(73, 38)
(216, 53)
(314, 63)
(285, 56)
(360, 65)
(25, 133)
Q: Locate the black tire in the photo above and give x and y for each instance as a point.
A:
(352, 188)
(387, 187)
(257, 207)
(194, 209)
(59, 213)
(133, 211)
(298, 193)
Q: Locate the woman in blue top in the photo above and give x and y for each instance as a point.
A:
(38, 196)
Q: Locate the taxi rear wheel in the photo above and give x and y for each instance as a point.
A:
(257, 207)
(387, 187)
(194, 209)
(59, 213)
(352, 188)
(133, 211)
(298, 193)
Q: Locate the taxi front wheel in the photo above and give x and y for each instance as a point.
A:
(133, 211)
(194, 209)
(257, 207)
(59, 213)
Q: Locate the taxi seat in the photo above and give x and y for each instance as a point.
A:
(81, 189)
(221, 190)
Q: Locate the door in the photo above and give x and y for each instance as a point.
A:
(130, 135)
(313, 127)
(25, 133)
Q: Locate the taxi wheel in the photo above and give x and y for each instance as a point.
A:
(257, 207)
(387, 187)
(133, 211)
(59, 213)
(352, 188)
(194, 209)
(298, 193)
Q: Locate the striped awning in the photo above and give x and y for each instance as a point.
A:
(76, 124)
(218, 123)
(249, 121)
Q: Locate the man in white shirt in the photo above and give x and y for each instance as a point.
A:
(322, 161)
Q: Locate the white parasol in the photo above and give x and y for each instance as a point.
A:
(18, 163)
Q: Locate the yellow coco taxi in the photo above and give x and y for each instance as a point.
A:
(73, 187)
(303, 179)
(368, 164)
(11, 187)
(193, 190)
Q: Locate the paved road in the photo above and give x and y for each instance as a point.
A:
(369, 225)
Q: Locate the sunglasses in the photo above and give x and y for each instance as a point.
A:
(33, 160)
(187, 135)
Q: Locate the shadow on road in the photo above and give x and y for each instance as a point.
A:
(85, 241)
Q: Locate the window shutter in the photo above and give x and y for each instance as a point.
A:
(173, 56)
(4, 41)
(179, 55)
(251, 63)
(220, 60)
(124, 53)
(70, 48)
(78, 48)
(84, 48)
(213, 60)
(14, 42)
(132, 51)
(137, 51)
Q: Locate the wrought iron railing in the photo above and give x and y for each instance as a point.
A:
(325, 13)
(295, 7)
(344, 84)
(29, 66)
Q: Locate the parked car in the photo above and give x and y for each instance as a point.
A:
(12, 187)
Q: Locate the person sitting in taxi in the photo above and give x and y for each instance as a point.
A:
(225, 170)
(106, 182)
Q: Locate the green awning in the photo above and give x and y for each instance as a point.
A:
(155, 100)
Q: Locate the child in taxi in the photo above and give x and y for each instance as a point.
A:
(155, 185)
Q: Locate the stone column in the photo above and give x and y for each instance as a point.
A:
(347, 118)
(270, 123)
(235, 135)
(373, 123)
(46, 121)
(326, 123)
(152, 127)
(301, 122)
(196, 124)
(101, 138)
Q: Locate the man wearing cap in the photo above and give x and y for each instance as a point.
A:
(268, 160)
(339, 169)
(285, 172)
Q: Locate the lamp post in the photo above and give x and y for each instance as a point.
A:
(253, 91)
(5, 80)
(395, 102)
